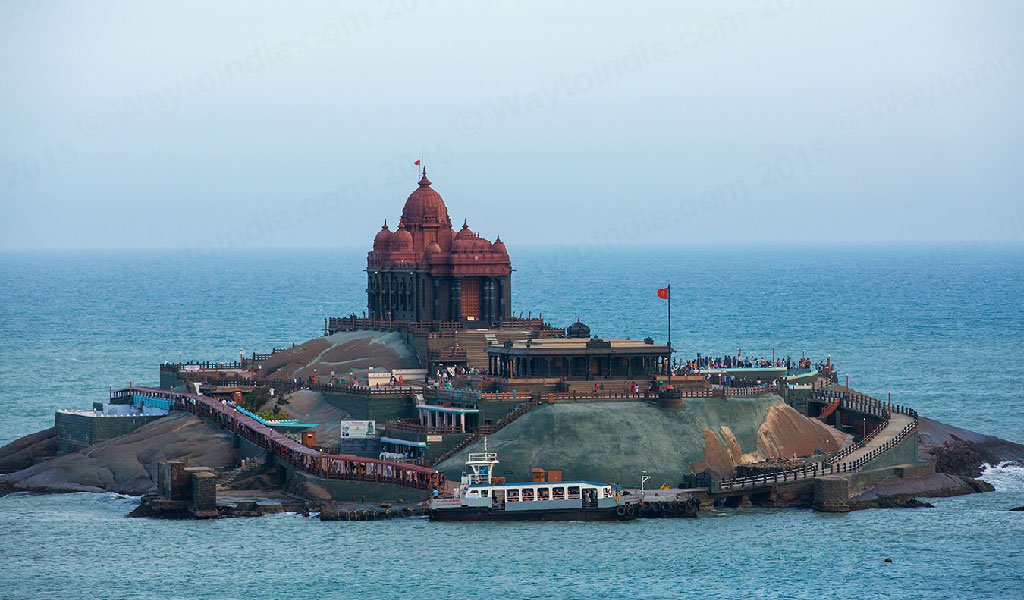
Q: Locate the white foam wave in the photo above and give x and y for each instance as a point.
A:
(1005, 477)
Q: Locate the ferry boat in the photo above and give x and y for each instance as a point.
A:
(478, 498)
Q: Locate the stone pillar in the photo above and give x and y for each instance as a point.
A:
(203, 492)
(455, 304)
(832, 494)
(435, 299)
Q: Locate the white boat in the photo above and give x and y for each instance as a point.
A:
(478, 498)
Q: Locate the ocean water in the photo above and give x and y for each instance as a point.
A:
(938, 326)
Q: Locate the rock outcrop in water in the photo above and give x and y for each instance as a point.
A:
(24, 452)
(961, 452)
(128, 464)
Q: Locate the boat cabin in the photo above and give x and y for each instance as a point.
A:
(574, 493)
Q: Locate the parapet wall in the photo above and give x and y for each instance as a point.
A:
(78, 431)
(375, 408)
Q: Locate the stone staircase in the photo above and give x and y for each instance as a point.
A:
(476, 341)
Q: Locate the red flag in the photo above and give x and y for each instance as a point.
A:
(663, 293)
(417, 163)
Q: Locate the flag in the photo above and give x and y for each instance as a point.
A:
(417, 163)
(663, 293)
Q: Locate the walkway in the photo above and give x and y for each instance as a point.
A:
(898, 422)
(309, 460)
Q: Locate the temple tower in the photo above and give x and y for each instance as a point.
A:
(425, 271)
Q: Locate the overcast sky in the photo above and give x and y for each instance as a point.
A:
(265, 124)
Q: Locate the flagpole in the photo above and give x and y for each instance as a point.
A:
(670, 332)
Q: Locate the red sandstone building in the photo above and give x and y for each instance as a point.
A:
(425, 271)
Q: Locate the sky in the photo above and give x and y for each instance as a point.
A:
(253, 124)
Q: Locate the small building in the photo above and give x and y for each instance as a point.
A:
(78, 429)
(578, 358)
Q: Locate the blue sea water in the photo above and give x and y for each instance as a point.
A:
(938, 326)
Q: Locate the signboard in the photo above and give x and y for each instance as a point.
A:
(433, 438)
(358, 429)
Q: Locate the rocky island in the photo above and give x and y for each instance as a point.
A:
(382, 410)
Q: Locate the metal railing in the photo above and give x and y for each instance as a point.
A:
(309, 460)
(854, 402)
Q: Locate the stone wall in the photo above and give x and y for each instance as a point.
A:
(832, 494)
(78, 431)
(373, 408)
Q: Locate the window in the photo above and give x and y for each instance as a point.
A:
(574, 492)
(483, 493)
(558, 493)
(544, 494)
(512, 495)
(528, 495)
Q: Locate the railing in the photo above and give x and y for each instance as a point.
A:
(336, 324)
(855, 402)
(309, 460)
(416, 427)
(457, 394)
(447, 355)
(829, 409)
(353, 323)
(289, 385)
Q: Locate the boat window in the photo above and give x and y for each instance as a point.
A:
(512, 495)
(483, 492)
(527, 495)
(544, 494)
(574, 492)
(558, 493)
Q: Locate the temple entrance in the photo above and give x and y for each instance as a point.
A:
(470, 307)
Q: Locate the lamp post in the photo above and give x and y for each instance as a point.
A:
(644, 478)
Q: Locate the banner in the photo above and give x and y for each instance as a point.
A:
(358, 429)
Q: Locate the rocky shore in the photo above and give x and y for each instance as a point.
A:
(128, 465)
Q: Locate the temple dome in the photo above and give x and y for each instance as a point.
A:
(382, 240)
(425, 206)
(577, 330)
(401, 240)
(499, 246)
(465, 233)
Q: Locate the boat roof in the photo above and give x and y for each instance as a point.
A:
(533, 483)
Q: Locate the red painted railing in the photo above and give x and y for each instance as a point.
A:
(308, 460)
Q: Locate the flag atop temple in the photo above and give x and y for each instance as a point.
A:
(425, 271)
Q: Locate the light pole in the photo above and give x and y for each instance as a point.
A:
(644, 478)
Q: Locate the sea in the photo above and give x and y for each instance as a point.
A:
(938, 326)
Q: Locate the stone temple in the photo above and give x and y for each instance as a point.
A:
(424, 271)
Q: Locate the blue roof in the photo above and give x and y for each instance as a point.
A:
(447, 409)
(388, 440)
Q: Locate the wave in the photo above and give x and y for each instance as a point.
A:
(1005, 477)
